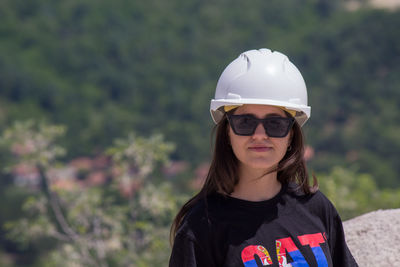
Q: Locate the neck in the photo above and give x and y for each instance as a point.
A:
(256, 185)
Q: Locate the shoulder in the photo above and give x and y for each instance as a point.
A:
(319, 202)
(315, 199)
(316, 203)
(196, 223)
(191, 242)
(197, 235)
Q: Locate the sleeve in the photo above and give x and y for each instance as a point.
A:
(341, 255)
(186, 252)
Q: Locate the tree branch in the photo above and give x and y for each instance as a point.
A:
(55, 206)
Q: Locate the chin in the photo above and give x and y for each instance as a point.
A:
(260, 165)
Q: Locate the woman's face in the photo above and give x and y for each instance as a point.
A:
(259, 151)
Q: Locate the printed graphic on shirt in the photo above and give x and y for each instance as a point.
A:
(286, 244)
(314, 241)
(248, 256)
(285, 247)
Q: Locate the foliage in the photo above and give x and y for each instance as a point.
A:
(354, 95)
(97, 225)
(34, 143)
(354, 194)
(105, 69)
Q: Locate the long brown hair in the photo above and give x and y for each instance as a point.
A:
(223, 173)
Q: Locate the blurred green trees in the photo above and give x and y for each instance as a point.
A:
(105, 69)
(123, 221)
(353, 193)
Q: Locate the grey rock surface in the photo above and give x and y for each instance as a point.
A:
(374, 238)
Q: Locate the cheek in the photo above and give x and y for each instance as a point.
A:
(286, 142)
(285, 146)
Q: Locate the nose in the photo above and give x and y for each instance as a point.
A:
(260, 132)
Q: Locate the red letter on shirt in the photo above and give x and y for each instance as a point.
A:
(313, 240)
(249, 252)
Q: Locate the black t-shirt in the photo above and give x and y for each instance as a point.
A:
(291, 228)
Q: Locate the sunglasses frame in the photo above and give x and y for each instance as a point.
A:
(230, 118)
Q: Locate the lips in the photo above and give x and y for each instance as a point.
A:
(259, 148)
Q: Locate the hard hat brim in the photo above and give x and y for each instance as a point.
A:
(302, 112)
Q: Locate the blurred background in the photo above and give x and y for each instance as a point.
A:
(105, 124)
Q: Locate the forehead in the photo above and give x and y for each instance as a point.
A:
(259, 110)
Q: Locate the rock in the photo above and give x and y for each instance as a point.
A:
(374, 238)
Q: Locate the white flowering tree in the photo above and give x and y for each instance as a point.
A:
(122, 222)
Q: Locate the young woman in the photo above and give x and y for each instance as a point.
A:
(257, 207)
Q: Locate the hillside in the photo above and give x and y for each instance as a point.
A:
(105, 69)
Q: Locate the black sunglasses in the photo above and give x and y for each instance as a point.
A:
(246, 125)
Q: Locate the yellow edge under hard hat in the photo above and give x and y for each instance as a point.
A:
(230, 107)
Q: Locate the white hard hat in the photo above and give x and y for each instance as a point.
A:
(261, 77)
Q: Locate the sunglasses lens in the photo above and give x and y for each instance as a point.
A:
(247, 124)
(277, 127)
(243, 125)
